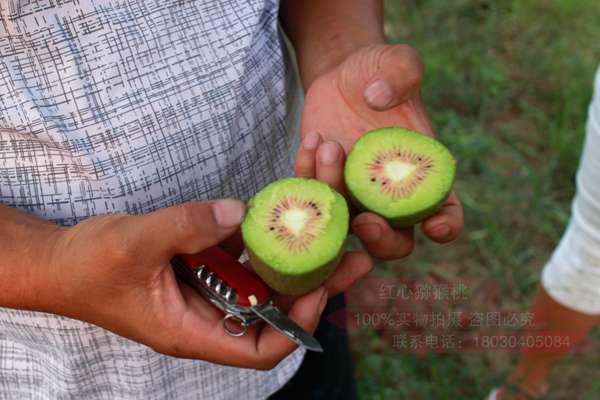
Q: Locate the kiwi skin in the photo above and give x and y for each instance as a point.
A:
(403, 222)
(294, 285)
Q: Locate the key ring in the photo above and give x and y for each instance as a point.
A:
(226, 326)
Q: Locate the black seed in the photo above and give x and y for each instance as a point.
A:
(318, 214)
(373, 179)
(271, 228)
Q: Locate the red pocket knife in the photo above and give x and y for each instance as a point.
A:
(238, 292)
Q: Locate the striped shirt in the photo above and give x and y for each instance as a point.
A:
(129, 106)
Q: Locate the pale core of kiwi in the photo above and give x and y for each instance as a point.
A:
(296, 222)
(399, 172)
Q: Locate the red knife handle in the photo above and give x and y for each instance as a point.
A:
(250, 289)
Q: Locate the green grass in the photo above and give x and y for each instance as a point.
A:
(507, 85)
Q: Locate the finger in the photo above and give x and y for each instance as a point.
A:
(202, 336)
(188, 228)
(394, 75)
(264, 348)
(306, 157)
(272, 346)
(330, 165)
(445, 225)
(353, 267)
(394, 79)
(380, 239)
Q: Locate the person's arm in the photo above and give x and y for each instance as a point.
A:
(326, 32)
(354, 83)
(26, 245)
(114, 271)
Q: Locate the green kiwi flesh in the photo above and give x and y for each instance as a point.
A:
(295, 231)
(401, 175)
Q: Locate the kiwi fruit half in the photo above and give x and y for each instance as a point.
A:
(403, 176)
(294, 231)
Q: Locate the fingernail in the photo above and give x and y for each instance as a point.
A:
(379, 94)
(368, 232)
(441, 231)
(323, 301)
(311, 141)
(228, 213)
(329, 153)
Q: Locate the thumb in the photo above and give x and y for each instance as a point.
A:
(191, 227)
(393, 76)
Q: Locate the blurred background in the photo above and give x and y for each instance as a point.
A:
(507, 85)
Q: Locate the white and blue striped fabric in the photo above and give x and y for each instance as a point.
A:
(128, 106)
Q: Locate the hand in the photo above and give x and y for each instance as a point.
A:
(376, 86)
(114, 271)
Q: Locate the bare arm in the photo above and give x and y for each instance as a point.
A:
(114, 271)
(26, 245)
(325, 32)
(355, 82)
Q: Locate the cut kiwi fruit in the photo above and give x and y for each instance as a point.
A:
(294, 231)
(401, 175)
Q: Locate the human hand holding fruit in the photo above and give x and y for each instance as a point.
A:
(115, 272)
(375, 86)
